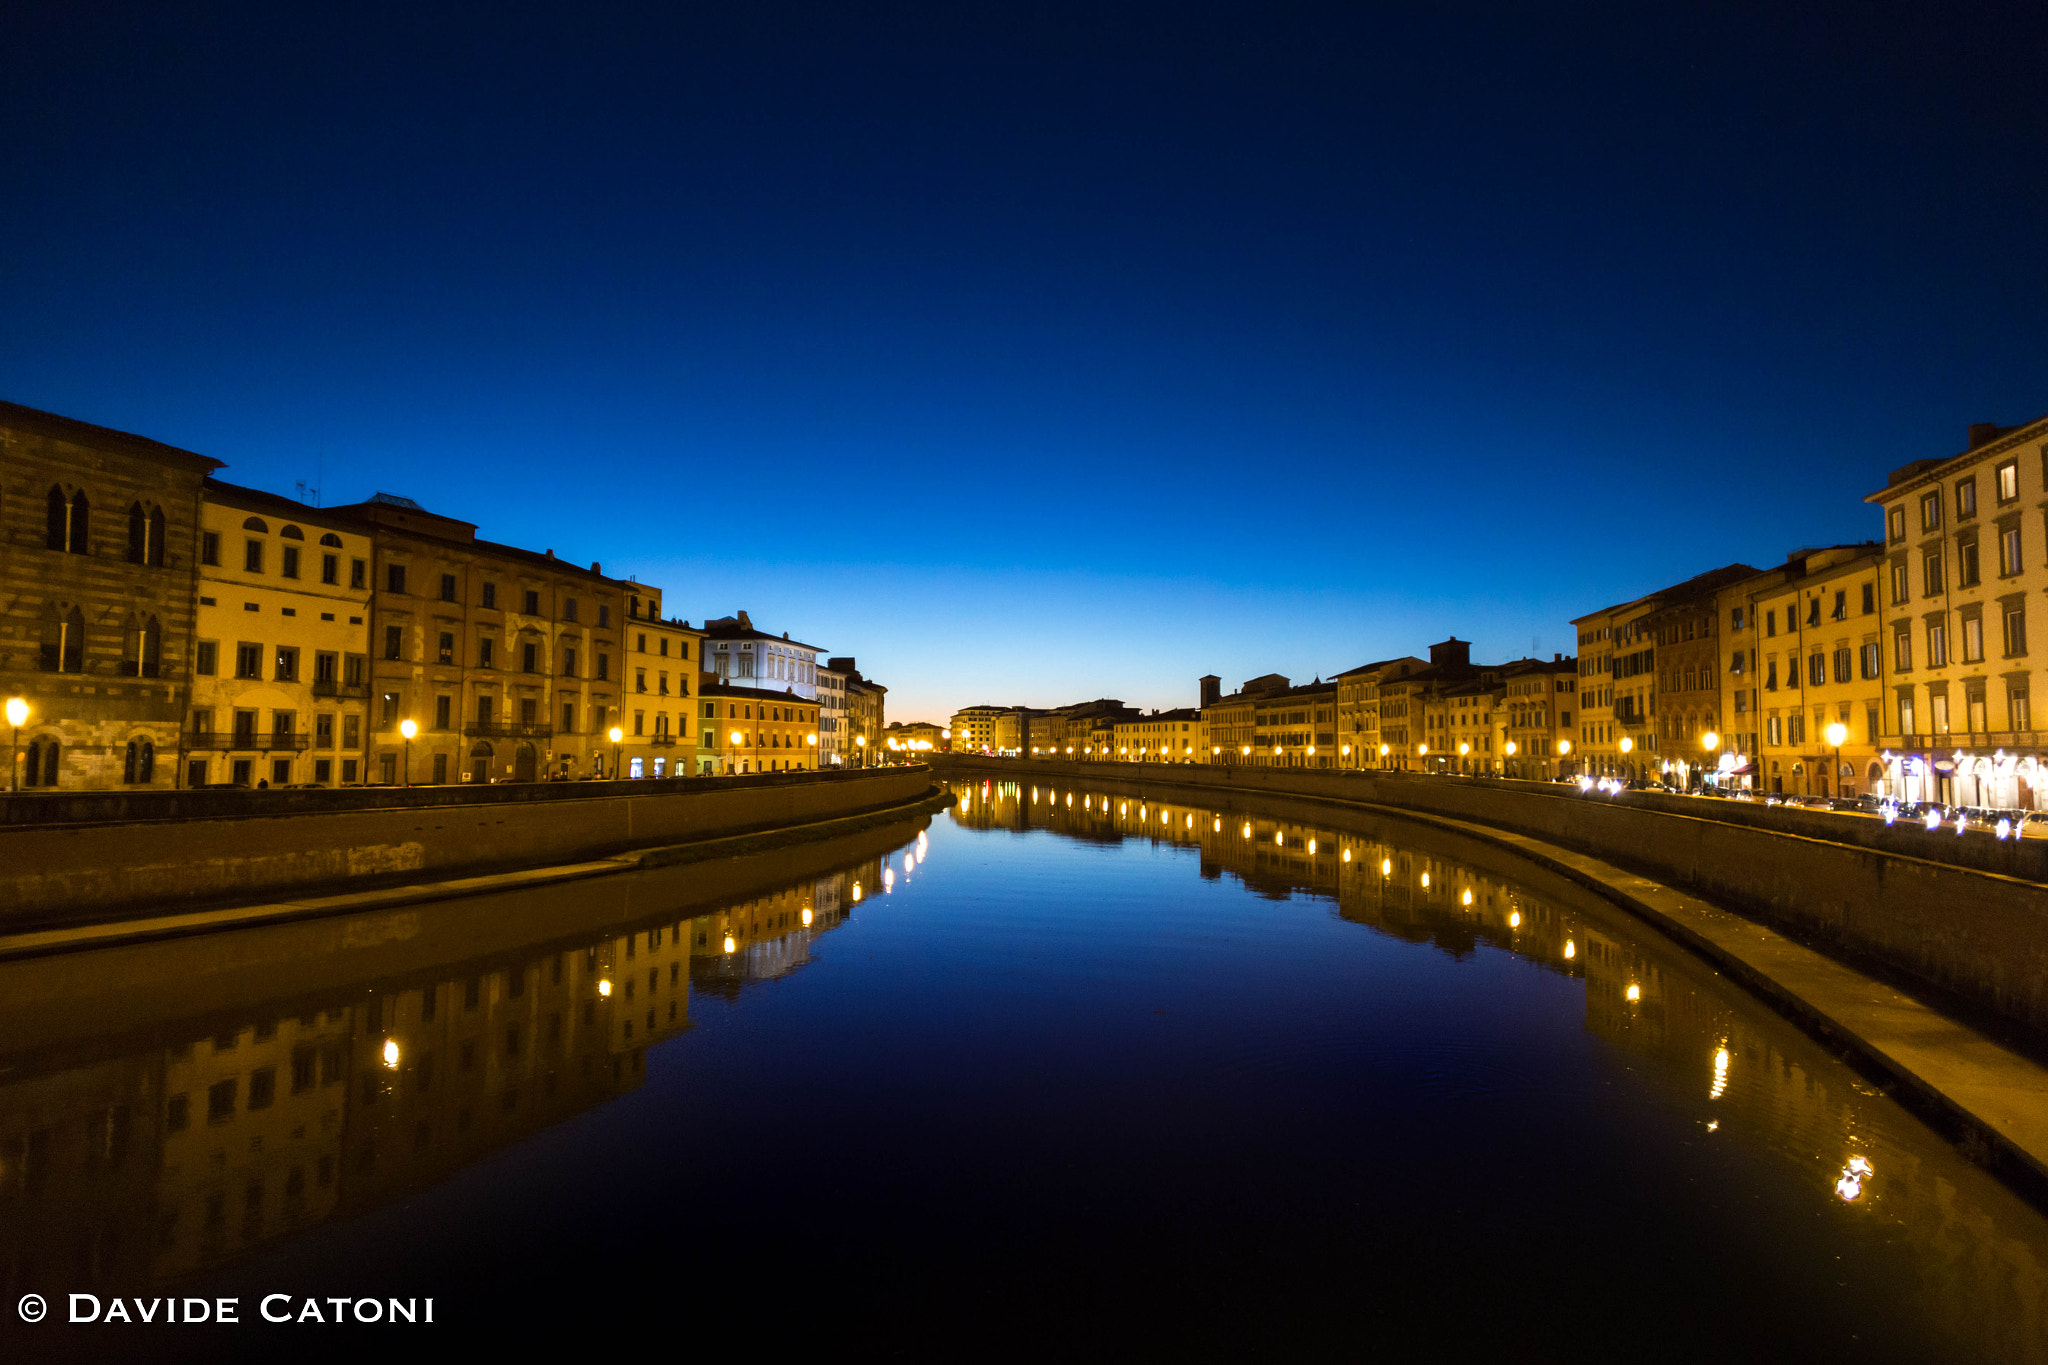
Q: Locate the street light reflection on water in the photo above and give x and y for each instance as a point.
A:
(1023, 1074)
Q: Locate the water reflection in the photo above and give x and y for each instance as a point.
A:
(1727, 1063)
(124, 1164)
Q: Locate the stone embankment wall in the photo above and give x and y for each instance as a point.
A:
(175, 850)
(1966, 913)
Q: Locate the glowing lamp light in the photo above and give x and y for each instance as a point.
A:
(1571, 950)
(1509, 748)
(1386, 867)
(856, 892)
(1247, 831)
(1514, 919)
(1345, 751)
(1464, 749)
(617, 734)
(1219, 825)
(1720, 1073)
(1467, 899)
(1710, 741)
(1564, 746)
(729, 944)
(17, 711)
(1247, 751)
(1311, 748)
(1627, 745)
(1933, 821)
(1311, 845)
(604, 988)
(807, 918)
(408, 728)
(1425, 881)
(1385, 749)
(737, 738)
(391, 1054)
(1634, 993)
(1347, 855)
(1279, 838)
(810, 739)
(1422, 749)
(1837, 732)
(888, 880)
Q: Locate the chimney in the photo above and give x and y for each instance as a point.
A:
(595, 567)
(1980, 432)
(1212, 688)
(745, 624)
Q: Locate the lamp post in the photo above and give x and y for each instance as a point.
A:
(737, 739)
(17, 712)
(1564, 752)
(1508, 751)
(1627, 747)
(1385, 749)
(1836, 733)
(1463, 750)
(616, 735)
(1710, 741)
(860, 744)
(408, 729)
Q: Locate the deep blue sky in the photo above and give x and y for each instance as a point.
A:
(1034, 353)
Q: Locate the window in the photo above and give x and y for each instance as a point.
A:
(1973, 640)
(529, 658)
(1937, 713)
(1906, 712)
(1774, 730)
(2009, 481)
(1872, 660)
(351, 738)
(568, 661)
(1841, 611)
(394, 642)
(323, 730)
(2009, 552)
(603, 666)
(330, 569)
(394, 578)
(568, 717)
(1931, 584)
(2015, 630)
(446, 651)
(353, 669)
(1795, 728)
(209, 548)
(490, 596)
(206, 658)
(1869, 598)
(1895, 521)
(1930, 511)
(443, 705)
(532, 602)
(640, 645)
(639, 722)
(387, 711)
(1817, 670)
(1845, 661)
(1966, 564)
(1902, 651)
(639, 680)
(252, 556)
(1771, 622)
(1937, 644)
(358, 573)
(1899, 583)
(486, 653)
(248, 661)
(1966, 499)
(2018, 715)
(568, 609)
(483, 710)
(287, 664)
(288, 561)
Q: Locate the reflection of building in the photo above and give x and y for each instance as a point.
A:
(280, 667)
(102, 533)
(770, 936)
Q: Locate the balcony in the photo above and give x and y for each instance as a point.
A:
(245, 741)
(658, 741)
(505, 729)
(328, 687)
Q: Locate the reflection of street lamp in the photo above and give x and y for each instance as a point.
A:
(408, 729)
(1836, 733)
(617, 735)
(17, 712)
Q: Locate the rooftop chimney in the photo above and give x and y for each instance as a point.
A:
(745, 624)
(1980, 432)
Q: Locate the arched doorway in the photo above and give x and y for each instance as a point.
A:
(480, 762)
(522, 764)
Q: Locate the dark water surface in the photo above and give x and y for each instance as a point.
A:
(1076, 1070)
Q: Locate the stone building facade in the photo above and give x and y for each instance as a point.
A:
(98, 547)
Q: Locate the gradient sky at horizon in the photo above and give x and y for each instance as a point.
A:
(1037, 353)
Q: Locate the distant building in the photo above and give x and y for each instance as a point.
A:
(864, 713)
(1176, 736)
(746, 657)
(756, 730)
(832, 732)
(974, 728)
(1358, 711)
(1230, 722)
(663, 658)
(1539, 700)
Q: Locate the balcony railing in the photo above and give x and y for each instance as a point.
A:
(505, 729)
(247, 741)
(658, 741)
(328, 687)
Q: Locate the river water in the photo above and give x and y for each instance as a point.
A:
(1076, 1068)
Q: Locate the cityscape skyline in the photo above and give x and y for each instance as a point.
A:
(1166, 338)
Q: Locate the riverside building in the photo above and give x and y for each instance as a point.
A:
(101, 532)
(756, 730)
(280, 662)
(658, 736)
(746, 657)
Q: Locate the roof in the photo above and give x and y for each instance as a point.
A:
(1698, 584)
(221, 491)
(1178, 713)
(729, 628)
(1925, 471)
(60, 428)
(1376, 666)
(750, 693)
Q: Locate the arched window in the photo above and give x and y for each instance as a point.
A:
(60, 518)
(138, 534)
(291, 533)
(331, 540)
(155, 554)
(256, 524)
(41, 769)
(152, 648)
(63, 641)
(146, 768)
(81, 511)
(130, 760)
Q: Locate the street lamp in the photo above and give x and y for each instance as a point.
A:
(1710, 741)
(860, 742)
(1627, 746)
(1508, 751)
(17, 712)
(408, 729)
(1836, 733)
(617, 734)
